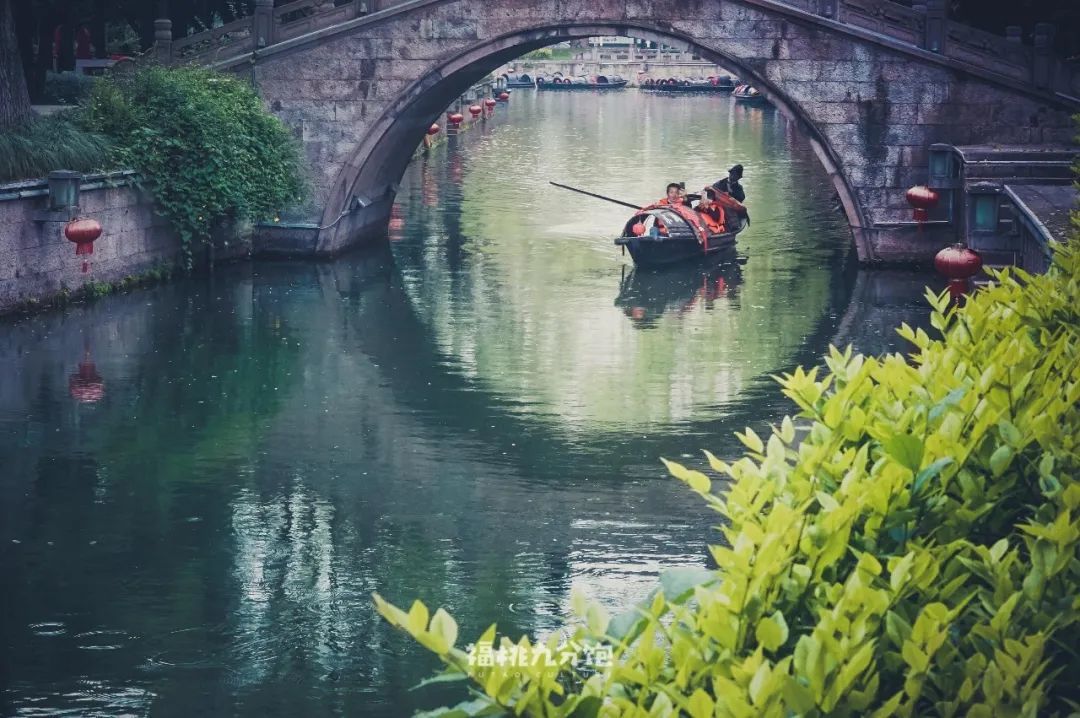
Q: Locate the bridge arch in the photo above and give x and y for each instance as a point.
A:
(380, 159)
(361, 92)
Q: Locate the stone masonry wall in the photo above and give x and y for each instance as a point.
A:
(37, 262)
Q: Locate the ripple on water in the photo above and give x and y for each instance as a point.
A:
(102, 640)
(48, 628)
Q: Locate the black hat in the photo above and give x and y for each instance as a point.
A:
(736, 170)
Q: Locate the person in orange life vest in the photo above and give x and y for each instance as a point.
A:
(674, 195)
(712, 214)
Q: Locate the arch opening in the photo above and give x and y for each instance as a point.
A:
(378, 163)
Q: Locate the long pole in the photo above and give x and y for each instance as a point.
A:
(597, 196)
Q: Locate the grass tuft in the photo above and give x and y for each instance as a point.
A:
(50, 143)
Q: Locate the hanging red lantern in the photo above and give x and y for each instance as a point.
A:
(958, 264)
(475, 110)
(923, 199)
(504, 96)
(454, 118)
(489, 103)
(83, 232)
(86, 385)
(433, 130)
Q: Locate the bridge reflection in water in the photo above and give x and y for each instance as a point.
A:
(470, 417)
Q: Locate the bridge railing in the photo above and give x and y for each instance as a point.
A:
(896, 21)
(232, 38)
(1004, 55)
(924, 25)
(304, 16)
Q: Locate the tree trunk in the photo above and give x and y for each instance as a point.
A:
(26, 29)
(14, 100)
(98, 28)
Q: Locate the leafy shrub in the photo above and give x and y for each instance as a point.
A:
(915, 553)
(51, 143)
(203, 144)
(66, 88)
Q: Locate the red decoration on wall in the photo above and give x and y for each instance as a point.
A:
(83, 232)
(923, 199)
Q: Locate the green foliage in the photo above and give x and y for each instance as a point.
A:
(203, 144)
(50, 143)
(66, 88)
(915, 552)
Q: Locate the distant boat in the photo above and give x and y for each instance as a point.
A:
(701, 84)
(518, 81)
(597, 82)
(746, 93)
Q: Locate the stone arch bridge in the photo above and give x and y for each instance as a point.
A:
(870, 83)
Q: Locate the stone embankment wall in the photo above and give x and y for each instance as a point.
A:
(38, 263)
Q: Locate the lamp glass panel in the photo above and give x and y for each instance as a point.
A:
(985, 213)
(939, 164)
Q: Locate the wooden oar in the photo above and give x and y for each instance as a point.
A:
(597, 196)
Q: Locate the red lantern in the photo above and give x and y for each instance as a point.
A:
(958, 264)
(923, 199)
(83, 232)
(433, 130)
(489, 103)
(475, 110)
(86, 386)
(454, 118)
(504, 96)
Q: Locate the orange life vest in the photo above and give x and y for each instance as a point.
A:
(726, 201)
(713, 218)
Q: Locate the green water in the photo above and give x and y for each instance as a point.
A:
(473, 417)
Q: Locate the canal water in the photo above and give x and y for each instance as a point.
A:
(203, 482)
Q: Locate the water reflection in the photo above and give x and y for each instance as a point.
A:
(645, 296)
(474, 420)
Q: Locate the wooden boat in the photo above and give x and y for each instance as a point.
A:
(746, 93)
(710, 84)
(519, 81)
(663, 234)
(598, 82)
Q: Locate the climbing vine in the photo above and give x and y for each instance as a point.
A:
(203, 144)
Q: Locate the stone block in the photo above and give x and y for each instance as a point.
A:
(816, 48)
(782, 71)
(831, 112)
(846, 71)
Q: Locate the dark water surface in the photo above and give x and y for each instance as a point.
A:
(201, 483)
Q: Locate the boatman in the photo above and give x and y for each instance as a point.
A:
(735, 210)
(732, 185)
